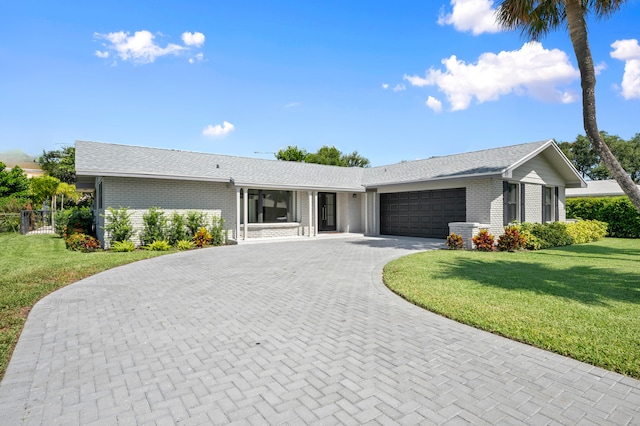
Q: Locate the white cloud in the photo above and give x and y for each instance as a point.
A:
(629, 52)
(141, 48)
(476, 16)
(434, 104)
(399, 88)
(532, 70)
(385, 86)
(293, 105)
(198, 58)
(218, 129)
(599, 68)
(193, 39)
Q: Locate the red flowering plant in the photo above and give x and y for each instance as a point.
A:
(483, 240)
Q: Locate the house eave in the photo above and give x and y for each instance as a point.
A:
(151, 176)
(291, 187)
(433, 179)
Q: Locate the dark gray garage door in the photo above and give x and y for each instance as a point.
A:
(422, 213)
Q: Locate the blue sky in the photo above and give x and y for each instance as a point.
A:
(393, 80)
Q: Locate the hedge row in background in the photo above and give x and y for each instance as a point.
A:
(618, 212)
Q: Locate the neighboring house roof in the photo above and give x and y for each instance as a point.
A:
(25, 162)
(100, 159)
(597, 188)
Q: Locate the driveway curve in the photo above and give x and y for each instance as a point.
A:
(293, 332)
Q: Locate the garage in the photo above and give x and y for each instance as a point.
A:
(422, 213)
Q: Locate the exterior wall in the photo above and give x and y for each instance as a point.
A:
(562, 204)
(303, 206)
(138, 195)
(538, 171)
(484, 204)
(467, 230)
(349, 212)
(533, 203)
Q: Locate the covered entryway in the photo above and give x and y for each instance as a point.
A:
(422, 213)
(326, 211)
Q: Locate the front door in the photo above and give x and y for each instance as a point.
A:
(326, 211)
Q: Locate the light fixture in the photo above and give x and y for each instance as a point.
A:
(355, 195)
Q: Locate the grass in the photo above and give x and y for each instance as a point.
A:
(582, 301)
(32, 267)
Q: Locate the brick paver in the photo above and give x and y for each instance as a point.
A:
(290, 332)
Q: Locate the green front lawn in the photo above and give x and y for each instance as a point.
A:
(32, 267)
(581, 301)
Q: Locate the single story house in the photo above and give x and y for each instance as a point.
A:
(597, 188)
(259, 198)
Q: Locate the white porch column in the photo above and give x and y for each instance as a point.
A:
(238, 213)
(366, 213)
(315, 203)
(245, 192)
(310, 212)
(375, 214)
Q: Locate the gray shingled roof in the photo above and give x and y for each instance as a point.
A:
(101, 159)
(489, 161)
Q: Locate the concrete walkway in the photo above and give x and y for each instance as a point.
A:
(293, 332)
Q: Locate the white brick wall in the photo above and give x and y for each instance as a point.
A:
(484, 203)
(138, 195)
(533, 203)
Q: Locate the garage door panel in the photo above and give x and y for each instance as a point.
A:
(422, 213)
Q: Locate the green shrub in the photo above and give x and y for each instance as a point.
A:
(195, 221)
(185, 245)
(74, 221)
(177, 230)
(512, 239)
(202, 237)
(123, 246)
(218, 236)
(531, 241)
(586, 231)
(484, 241)
(618, 212)
(82, 242)
(118, 224)
(455, 242)
(552, 234)
(154, 226)
(10, 208)
(159, 245)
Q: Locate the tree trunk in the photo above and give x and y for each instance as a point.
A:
(578, 34)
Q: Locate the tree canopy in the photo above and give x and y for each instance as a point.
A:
(43, 188)
(536, 18)
(590, 165)
(13, 183)
(60, 164)
(329, 155)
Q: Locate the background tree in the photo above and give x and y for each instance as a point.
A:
(43, 188)
(60, 164)
(355, 160)
(13, 183)
(329, 155)
(589, 164)
(68, 192)
(536, 18)
(291, 153)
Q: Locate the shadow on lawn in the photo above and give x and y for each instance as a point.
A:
(595, 251)
(593, 285)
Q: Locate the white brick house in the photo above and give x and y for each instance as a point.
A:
(260, 198)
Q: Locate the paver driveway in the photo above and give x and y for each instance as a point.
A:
(286, 332)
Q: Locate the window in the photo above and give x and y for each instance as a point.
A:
(511, 200)
(548, 210)
(268, 206)
(100, 196)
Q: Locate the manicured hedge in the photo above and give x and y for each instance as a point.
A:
(618, 212)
